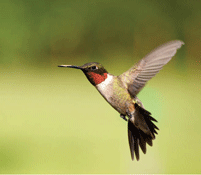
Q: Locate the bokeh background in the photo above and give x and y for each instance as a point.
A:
(53, 121)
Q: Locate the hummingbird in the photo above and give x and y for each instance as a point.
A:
(121, 92)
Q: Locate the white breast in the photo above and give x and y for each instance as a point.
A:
(105, 87)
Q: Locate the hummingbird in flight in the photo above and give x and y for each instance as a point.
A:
(121, 92)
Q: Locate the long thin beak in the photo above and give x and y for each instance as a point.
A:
(70, 66)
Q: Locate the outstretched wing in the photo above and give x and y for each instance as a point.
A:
(137, 76)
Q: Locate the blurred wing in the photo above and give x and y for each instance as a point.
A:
(137, 76)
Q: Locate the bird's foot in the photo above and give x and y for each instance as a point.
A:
(124, 117)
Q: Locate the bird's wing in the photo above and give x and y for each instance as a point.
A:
(137, 76)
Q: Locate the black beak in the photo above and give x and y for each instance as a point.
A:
(70, 66)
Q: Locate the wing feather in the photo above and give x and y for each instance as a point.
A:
(137, 76)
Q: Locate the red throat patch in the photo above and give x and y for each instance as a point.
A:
(97, 78)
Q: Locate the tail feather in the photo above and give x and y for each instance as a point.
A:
(142, 132)
(142, 143)
(131, 141)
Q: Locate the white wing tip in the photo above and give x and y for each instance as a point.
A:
(178, 42)
(181, 42)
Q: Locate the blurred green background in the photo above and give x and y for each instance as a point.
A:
(53, 121)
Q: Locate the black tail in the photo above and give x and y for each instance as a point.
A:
(141, 132)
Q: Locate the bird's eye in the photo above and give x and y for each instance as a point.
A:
(93, 67)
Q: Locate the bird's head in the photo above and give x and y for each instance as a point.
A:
(94, 72)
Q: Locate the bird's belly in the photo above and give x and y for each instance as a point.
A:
(120, 102)
(118, 99)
